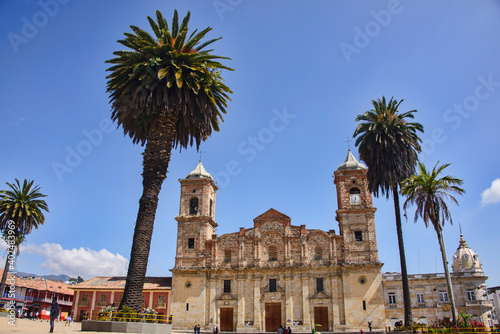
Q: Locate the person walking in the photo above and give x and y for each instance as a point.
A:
(54, 308)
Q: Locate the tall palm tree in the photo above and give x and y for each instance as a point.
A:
(166, 92)
(21, 210)
(428, 191)
(389, 146)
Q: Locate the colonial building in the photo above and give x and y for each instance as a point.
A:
(429, 294)
(275, 273)
(92, 295)
(35, 294)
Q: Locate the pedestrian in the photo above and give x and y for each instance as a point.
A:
(285, 330)
(216, 329)
(280, 330)
(370, 325)
(289, 330)
(54, 308)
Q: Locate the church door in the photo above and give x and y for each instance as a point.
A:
(226, 319)
(273, 317)
(321, 318)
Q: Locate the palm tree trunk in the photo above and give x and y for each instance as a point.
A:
(4, 275)
(155, 166)
(439, 232)
(10, 251)
(402, 259)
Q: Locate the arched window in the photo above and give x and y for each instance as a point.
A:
(273, 253)
(354, 196)
(193, 206)
(318, 253)
(227, 255)
(354, 191)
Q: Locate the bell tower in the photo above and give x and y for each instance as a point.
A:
(196, 219)
(355, 213)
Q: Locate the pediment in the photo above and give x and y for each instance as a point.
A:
(227, 296)
(272, 215)
(320, 295)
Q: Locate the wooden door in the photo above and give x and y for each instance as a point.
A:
(226, 319)
(273, 317)
(321, 318)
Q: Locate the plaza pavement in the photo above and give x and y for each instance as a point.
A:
(26, 326)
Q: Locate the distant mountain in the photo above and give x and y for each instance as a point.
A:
(63, 278)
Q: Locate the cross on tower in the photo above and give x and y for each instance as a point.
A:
(348, 141)
(201, 153)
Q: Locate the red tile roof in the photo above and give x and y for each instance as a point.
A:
(43, 285)
(150, 283)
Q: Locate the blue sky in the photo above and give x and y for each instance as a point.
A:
(303, 72)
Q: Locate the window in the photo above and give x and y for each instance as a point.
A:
(273, 253)
(354, 191)
(193, 206)
(443, 296)
(85, 297)
(120, 296)
(272, 285)
(392, 298)
(211, 204)
(227, 286)
(420, 298)
(358, 236)
(319, 284)
(161, 299)
(364, 307)
(471, 295)
(227, 255)
(318, 253)
(191, 243)
(103, 298)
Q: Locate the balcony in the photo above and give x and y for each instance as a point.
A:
(101, 303)
(19, 298)
(160, 305)
(83, 303)
(478, 303)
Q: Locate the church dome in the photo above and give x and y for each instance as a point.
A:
(465, 259)
(351, 163)
(199, 173)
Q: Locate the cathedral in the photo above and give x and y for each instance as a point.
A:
(275, 273)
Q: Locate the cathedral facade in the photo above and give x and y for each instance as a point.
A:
(275, 273)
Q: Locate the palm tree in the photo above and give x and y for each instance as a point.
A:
(165, 92)
(389, 145)
(429, 192)
(20, 211)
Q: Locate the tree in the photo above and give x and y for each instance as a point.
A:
(21, 210)
(428, 192)
(165, 92)
(389, 146)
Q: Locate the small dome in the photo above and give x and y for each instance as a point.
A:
(351, 163)
(465, 259)
(199, 173)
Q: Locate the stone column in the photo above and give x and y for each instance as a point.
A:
(289, 300)
(212, 312)
(257, 312)
(306, 309)
(240, 323)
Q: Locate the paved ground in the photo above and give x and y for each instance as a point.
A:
(26, 326)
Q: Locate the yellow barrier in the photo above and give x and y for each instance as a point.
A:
(131, 317)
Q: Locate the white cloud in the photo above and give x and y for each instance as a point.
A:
(75, 262)
(492, 194)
